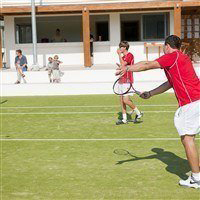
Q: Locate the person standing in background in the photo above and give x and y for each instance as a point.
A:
(91, 47)
(58, 37)
(20, 63)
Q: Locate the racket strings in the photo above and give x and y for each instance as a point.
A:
(122, 86)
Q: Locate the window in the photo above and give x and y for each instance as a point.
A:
(130, 27)
(69, 29)
(142, 27)
(99, 25)
(23, 30)
(155, 26)
(102, 31)
(130, 31)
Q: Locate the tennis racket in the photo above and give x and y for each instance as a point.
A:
(124, 86)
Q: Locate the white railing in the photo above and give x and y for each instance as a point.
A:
(61, 2)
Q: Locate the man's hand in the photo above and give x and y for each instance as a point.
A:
(145, 95)
(121, 70)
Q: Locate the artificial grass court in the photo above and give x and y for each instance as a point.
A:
(62, 147)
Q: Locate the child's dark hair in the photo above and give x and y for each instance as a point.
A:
(19, 51)
(124, 44)
(173, 41)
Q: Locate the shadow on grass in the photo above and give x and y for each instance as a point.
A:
(129, 118)
(175, 164)
(120, 117)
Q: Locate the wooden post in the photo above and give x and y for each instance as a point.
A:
(86, 37)
(147, 52)
(147, 48)
(1, 59)
(177, 19)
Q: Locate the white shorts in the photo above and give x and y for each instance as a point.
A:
(124, 87)
(187, 119)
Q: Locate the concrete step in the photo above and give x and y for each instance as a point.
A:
(76, 82)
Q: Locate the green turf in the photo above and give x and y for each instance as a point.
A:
(54, 170)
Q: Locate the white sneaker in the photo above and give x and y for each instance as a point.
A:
(140, 115)
(190, 182)
(119, 122)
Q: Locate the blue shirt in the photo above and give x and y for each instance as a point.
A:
(21, 61)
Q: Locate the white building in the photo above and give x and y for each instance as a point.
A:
(110, 21)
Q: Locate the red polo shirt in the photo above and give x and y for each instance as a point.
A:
(129, 59)
(181, 75)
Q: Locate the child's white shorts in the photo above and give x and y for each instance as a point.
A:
(187, 119)
(123, 88)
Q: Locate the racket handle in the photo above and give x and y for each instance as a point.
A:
(137, 92)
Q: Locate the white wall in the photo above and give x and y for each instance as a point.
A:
(69, 53)
(171, 21)
(9, 40)
(114, 36)
(74, 82)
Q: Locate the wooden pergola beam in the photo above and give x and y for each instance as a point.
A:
(189, 3)
(86, 37)
(98, 7)
(177, 20)
(111, 6)
(15, 10)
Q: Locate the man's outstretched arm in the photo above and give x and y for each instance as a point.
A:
(138, 67)
(159, 90)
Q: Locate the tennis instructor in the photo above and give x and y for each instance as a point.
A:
(183, 79)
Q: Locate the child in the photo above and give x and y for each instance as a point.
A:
(60, 62)
(56, 71)
(49, 68)
(126, 58)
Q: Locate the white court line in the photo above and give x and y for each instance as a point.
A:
(67, 113)
(93, 139)
(111, 106)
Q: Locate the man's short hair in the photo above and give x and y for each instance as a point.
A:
(173, 41)
(19, 51)
(124, 44)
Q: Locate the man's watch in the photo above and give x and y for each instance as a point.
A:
(127, 68)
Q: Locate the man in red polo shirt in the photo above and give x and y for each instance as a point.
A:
(183, 79)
